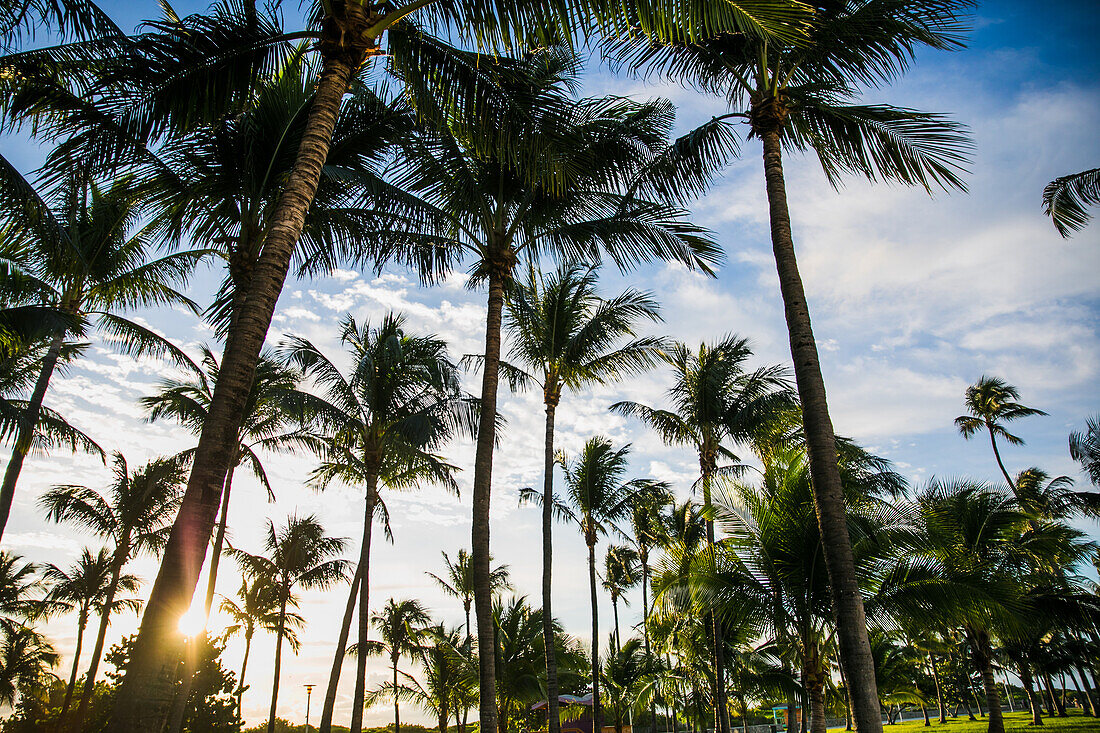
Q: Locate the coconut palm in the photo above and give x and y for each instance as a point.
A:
(620, 574)
(806, 94)
(79, 251)
(1053, 498)
(18, 579)
(716, 404)
(458, 581)
(991, 403)
(382, 425)
(26, 661)
(629, 677)
(648, 531)
(258, 606)
(1065, 200)
(596, 497)
(83, 588)
(298, 555)
(1084, 447)
(561, 177)
(401, 625)
(565, 336)
(134, 514)
(273, 404)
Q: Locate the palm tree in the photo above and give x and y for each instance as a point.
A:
(83, 588)
(26, 658)
(78, 250)
(458, 581)
(382, 423)
(620, 574)
(596, 497)
(629, 676)
(18, 579)
(1085, 448)
(560, 177)
(401, 625)
(133, 514)
(991, 403)
(804, 93)
(648, 530)
(299, 555)
(258, 606)
(716, 403)
(565, 336)
(1065, 199)
(273, 403)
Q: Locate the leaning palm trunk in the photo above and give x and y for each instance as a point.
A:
(983, 660)
(82, 622)
(219, 541)
(121, 552)
(341, 652)
(552, 711)
(1000, 463)
(595, 636)
(483, 478)
(939, 688)
(25, 432)
(146, 691)
(1085, 690)
(1029, 689)
(855, 650)
(244, 668)
(364, 607)
(278, 662)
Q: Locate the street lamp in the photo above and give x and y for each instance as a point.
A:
(309, 694)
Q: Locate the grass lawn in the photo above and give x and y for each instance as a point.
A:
(1014, 723)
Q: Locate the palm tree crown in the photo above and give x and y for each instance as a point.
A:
(991, 403)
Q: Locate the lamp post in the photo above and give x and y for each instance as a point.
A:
(309, 694)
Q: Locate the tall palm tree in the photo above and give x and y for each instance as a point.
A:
(458, 581)
(134, 514)
(596, 497)
(805, 94)
(648, 531)
(620, 574)
(273, 404)
(564, 335)
(298, 555)
(80, 252)
(716, 404)
(83, 588)
(1065, 200)
(1084, 447)
(18, 579)
(258, 606)
(381, 425)
(573, 179)
(991, 403)
(26, 661)
(401, 625)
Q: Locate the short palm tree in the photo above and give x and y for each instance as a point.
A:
(134, 514)
(258, 606)
(79, 250)
(18, 580)
(274, 402)
(83, 588)
(804, 93)
(1065, 200)
(26, 661)
(564, 335)
(629, 677)
(716, 405)
(991, 403)
(381, 424)
(620, 574)
(1084, 447)
(596, 497)
(298, 555)
(401, 625)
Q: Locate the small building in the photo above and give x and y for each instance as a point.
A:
(781, 715)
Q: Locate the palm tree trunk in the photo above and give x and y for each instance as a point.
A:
(1085, 690)
(553, 712)
(983, 660)
(595, 638)
(341, 652)
(1000, 464)
(364, 604)
(1057, 703)
(122, 550)
(1086, 707)
(855, 650)
(244, 668)
(1029, 690)
(396, 709)
(28, 421)
(82, 622)
(816, 692)
(483, 479)
(219, 542)
(643, 555)
(847, 699)
(924, 712)
(615, 613)
(278, 662)
(939, 688)
(718, 688)
(145, 691)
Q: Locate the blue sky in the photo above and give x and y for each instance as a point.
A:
(912, 298)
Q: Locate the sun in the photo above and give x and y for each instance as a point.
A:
(192, 622)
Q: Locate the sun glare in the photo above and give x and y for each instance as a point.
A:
(191, 623)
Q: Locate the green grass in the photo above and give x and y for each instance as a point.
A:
(1014, 723)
